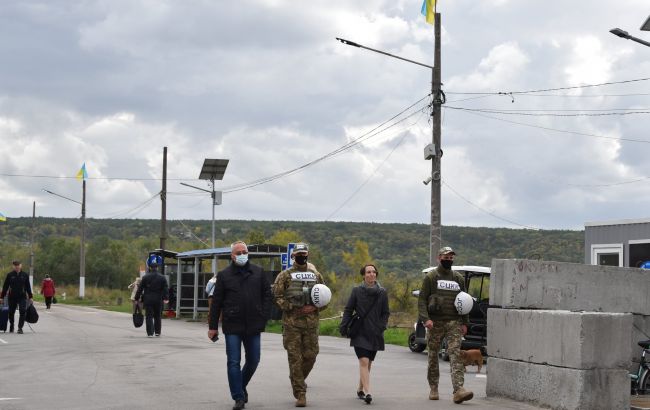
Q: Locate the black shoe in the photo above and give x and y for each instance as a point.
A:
(20, 331)
(157, 334)
(361, 395)
(245, 396)
(239, 405)
(368, 398)
(11, 328)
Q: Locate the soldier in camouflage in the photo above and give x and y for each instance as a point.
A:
(437, 311)
(292, 290)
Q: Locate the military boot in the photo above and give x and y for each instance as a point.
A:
(433, 394)
(462, 395)
(302, 400)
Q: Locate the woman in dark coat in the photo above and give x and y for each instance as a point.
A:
(368, 300)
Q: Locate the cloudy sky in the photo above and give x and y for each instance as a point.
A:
(265, 84)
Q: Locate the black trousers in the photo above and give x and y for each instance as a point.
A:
(21, 304)
(153, 317)
(48, 301)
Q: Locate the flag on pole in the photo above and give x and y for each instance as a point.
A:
(82, 174)
(3, 218)
(429, 10)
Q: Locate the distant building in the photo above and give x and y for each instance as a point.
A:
(624, 243)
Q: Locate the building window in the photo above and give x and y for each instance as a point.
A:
(639, 252)
(607, 254)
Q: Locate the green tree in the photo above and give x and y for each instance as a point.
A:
(359, 257)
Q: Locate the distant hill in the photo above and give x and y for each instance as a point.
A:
(400, 248)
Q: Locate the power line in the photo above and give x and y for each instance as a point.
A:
(96, 178)
(485, 210)
(558, 130)
(131, 211)
(366, 136)
(549, 89)
(548, 113)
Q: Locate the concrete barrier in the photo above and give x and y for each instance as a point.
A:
(521, 283)
(561, 338)
(558, 387)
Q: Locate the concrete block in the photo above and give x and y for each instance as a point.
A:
(521, 283)
(640, 331)
(557, 387)
(579, 340)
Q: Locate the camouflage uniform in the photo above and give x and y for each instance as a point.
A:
(299, 331)
(436, 303)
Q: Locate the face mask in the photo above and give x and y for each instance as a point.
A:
(240, 260)
(446, 263)
(301, 259)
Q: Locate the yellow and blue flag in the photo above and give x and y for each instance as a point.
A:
(3, 218)
(82, 174)
(429, 10)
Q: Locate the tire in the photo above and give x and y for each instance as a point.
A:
(644, 383)
(415, 347)
(443, 350)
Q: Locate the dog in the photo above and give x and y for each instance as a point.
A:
(472, 357)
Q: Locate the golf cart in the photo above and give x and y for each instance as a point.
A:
(477, 284)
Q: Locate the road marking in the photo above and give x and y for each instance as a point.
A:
(3, 341)
(481, 376)
(10, 398)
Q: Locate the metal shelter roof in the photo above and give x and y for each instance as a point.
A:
(224, 252)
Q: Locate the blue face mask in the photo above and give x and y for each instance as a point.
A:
(240, 260)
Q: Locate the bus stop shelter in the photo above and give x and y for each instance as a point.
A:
(195, 270)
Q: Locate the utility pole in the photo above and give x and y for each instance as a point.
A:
(163, 216)
(436, 176)
(31, 248)
(82, 255)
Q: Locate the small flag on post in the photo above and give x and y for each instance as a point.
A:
(429, 10)
(82, 174)
(2, 217)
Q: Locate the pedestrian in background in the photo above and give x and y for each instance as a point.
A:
(48, 290)
(243, 293)
(153, 291)
(437, 311)
(370, 301)
(18, 289)
(300, 318)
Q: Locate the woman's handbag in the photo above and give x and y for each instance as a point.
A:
(138, 317)
(354, 326)
(31, 315)
(54, 300)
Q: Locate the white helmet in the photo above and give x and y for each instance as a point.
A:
(463, 303)
(320, 295)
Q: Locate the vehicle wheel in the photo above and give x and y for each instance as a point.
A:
(644, 383)
(443, 350)
(415, 347)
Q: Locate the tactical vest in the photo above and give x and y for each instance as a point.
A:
(299, 291)
(441, 303)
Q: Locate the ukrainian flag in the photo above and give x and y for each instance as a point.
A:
(429, 10)
(82, 174)
(3, 218)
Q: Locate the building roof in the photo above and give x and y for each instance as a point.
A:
(224, 252)
(619, 222)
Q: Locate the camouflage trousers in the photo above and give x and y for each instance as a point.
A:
(301, 345)
(449, 329)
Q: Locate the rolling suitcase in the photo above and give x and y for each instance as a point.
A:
(4, 317)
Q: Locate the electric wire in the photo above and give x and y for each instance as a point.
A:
(485, 210)
(550, 89)
(131, 211)
(354, 193)
(364, 137)
(192, 233)
(547, 114)
(558, 130)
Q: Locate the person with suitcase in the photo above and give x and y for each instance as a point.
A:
(17, 288)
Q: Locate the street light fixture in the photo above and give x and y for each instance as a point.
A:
(432, 151)
(624, 34)
(213, 169)
(82, 251)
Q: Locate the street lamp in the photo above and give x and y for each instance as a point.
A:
(624, 34)
(82, 251)
(432, 151)
(213, 169)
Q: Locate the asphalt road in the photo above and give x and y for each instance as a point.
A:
(85, 358)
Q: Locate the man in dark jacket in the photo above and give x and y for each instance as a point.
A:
(19, 288)
(153, 292)
(243, 294)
